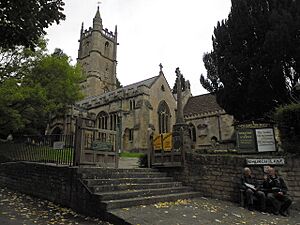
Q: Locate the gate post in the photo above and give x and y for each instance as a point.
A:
(78, 141)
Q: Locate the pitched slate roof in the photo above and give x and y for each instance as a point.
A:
(201, 104)
(148, 83)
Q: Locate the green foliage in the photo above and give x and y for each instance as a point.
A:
(20, 105)
(59, 79)
(19, 61)
(39, 87)
(255, 60)
(131, 155)
(22, 23)
(288, 120)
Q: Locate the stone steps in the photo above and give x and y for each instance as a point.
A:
(141, 193)
(130, 186)
(122, 174)
(121, 188)
(93, 182)
(124, 203)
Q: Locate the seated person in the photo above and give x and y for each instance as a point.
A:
(276, 190)
(251, 187)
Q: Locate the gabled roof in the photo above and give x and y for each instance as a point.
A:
(148, 83)
(201, 104)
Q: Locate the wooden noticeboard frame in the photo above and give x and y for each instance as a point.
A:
(255, 137)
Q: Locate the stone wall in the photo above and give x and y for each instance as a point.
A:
(218, 176)
(58, 184)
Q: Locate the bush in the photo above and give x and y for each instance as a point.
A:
(288, 120)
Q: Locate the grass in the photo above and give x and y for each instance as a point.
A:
(131, 155)
(22, 152)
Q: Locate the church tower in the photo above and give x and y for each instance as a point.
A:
(97, 55)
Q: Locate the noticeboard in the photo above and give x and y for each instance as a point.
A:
(246, 140)
(265, 140)
(58, 145)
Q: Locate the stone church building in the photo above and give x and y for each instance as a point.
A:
(139, 108)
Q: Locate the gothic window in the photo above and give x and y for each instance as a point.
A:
(102, 120)
(192, 132)
(106, 48)
(163, 117)
(130, 138)
(131, 104)
(113, 121)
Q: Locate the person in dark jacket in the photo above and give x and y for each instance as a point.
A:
(276, 190)
(251, 187)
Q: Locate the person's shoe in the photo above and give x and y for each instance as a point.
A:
(250, 208)
(283, 213)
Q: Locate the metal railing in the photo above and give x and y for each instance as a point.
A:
(57, 149)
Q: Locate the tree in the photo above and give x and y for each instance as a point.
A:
(47, 87)
(255, 60)
(59, 79)
(20, 106)
(22, 23)
(17, 62)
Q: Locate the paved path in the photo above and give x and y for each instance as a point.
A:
(201, 211)
(20, 209)
(128, 163)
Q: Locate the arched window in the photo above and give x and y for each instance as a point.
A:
(113, 121)
(106, 48)
(131, 104)
(102, 120)
(163, 117)
(192, 132)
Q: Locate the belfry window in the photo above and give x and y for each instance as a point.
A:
(106, 48)
(163, 117)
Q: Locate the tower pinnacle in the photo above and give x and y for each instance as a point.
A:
(97, 21)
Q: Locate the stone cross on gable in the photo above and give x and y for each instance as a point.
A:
(160, 67)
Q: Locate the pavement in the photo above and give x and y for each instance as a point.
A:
(20, 209)
(201, 211)
(128, 163)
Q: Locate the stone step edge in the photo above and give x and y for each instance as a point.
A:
(99, 175)
(124, 203)
(137, 184)
(177, 190)
(123, 179)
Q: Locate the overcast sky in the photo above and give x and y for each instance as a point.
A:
(175, 33)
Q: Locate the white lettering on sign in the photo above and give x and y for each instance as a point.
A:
(58, 145)
(275, 161)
